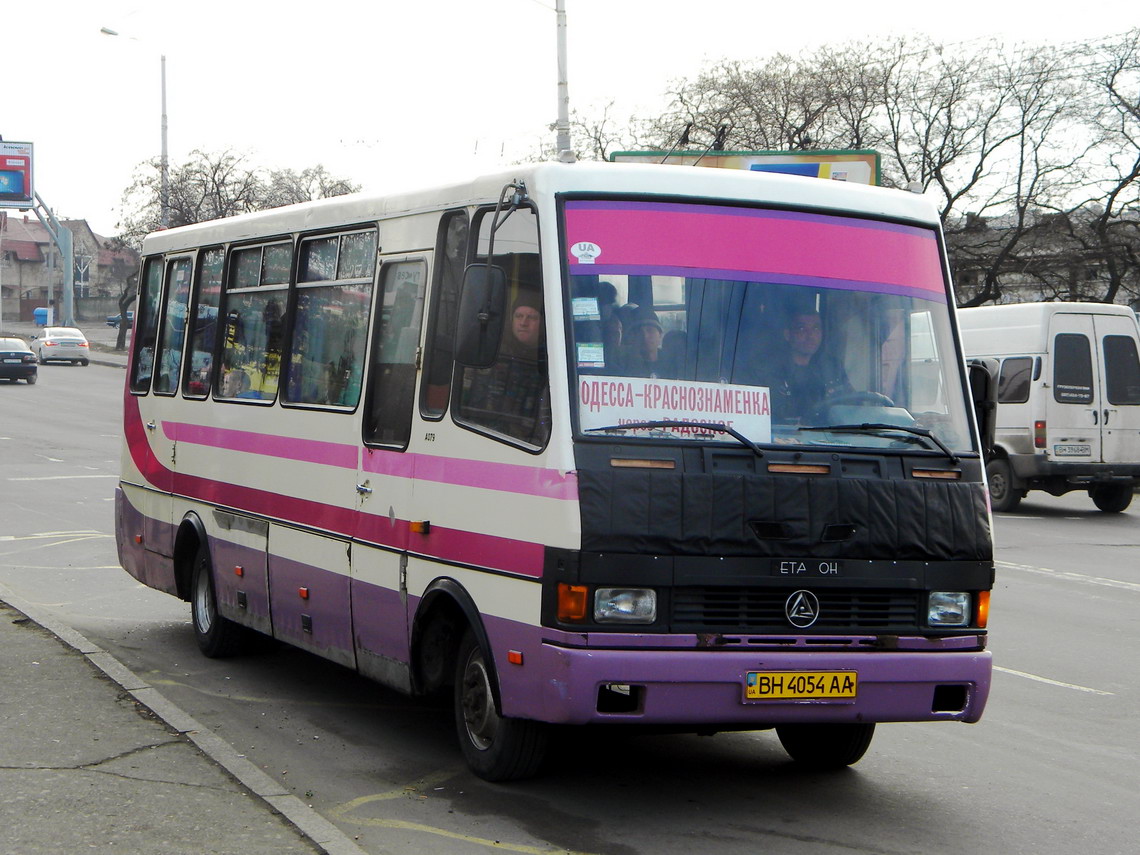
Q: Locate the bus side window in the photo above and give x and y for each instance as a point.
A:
(203, 332)
(173, 326)
(146, 331)
(512, 397)
(254, 324)
(391, 390)
(1013, 380)
(450, 258)
(334, 297)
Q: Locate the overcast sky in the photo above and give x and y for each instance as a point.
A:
(392, 92)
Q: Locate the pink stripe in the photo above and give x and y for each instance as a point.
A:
(503, 477)
(270, 445)
(761, 242)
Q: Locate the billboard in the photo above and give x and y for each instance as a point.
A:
(858, 167)
(16, 189)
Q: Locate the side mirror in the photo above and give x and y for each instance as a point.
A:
(482, 309)
(983, 374)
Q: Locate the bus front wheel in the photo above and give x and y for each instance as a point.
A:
(825, 746)
(217, 637)
(495, 747)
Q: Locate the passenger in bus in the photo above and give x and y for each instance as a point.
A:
(805, 375)
(643, 355)
(235, 384)
(512, 396)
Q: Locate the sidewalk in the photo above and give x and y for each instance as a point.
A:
(101, 337)
(94, 760)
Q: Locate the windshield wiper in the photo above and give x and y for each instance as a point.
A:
(871, 427)
(712, 427)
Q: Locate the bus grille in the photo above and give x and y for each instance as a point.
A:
(739, 609)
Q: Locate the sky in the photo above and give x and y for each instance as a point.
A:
(398, 93)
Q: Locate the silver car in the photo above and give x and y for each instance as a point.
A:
(61, 344)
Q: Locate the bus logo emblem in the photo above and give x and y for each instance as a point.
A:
(802, 609)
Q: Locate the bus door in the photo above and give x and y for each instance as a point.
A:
(385, 477)
(1093, 413)
(1119, 365)
(1073, 410)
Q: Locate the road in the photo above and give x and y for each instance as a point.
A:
(1052, 768)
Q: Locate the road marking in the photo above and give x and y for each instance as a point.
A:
(57, 477)
(1070, 576)
(49, 534)
(342, 813)
(1072, 686)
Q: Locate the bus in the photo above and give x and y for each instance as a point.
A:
(631, 446)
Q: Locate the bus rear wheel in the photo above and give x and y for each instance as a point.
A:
(825, 746)
(496, 748)
(1003, 495)
(1112, 498)
(217, 637)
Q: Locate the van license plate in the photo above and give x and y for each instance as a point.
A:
(1072, 450)
(800, 685)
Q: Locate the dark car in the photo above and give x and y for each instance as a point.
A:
(17, 362)
(115, 320)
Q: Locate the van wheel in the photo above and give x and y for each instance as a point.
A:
(217, 637)
(496, 748)
(1112, 498)
(825, 746)
(1003, 496)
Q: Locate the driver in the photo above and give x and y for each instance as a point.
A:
(806, 375)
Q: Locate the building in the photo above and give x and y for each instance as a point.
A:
(32, 275)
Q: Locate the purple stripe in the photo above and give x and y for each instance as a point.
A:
(508, 477)
(752, 276)
(739, 211)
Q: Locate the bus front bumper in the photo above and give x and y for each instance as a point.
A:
(706, 688)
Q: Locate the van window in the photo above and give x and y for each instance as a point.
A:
(1072, 369)
(1122, 370)
(1013, 381)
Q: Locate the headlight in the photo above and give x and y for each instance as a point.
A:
(625, 605)
(948, 608)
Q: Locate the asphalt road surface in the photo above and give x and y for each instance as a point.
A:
(1052, 768)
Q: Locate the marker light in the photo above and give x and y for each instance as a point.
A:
(571, 602)
(948, 608)
(625, 605)
(983, 608)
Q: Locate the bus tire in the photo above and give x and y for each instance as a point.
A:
(825, 746)
(1112, 498)
(217, 637)
(496, 748)
(1003, 495)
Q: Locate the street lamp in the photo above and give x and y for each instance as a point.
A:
(164, 162)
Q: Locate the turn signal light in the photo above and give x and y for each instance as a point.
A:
(572, 602)
(983, 609)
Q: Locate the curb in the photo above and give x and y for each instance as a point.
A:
(307, 821)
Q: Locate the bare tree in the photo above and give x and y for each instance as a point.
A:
(212, 185)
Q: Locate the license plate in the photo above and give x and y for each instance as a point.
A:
(1072, 450)
(15, 361)
(800, 685)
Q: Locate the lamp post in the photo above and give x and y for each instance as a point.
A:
(164, 162)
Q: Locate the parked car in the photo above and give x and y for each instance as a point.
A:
(115, 320)
(61, 344)
(17, 362)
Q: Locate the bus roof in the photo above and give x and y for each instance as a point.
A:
(550, 178)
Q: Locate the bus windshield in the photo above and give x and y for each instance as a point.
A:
(787, 327)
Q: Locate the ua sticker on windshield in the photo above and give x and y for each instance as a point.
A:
(616, 401)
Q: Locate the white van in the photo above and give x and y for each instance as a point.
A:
(1068, 399)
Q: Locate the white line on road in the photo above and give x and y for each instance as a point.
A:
(1070, 576)
(50, 534)
(59, 477)
(1072, 686)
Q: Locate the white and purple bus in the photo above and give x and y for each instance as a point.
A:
(627, 445)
